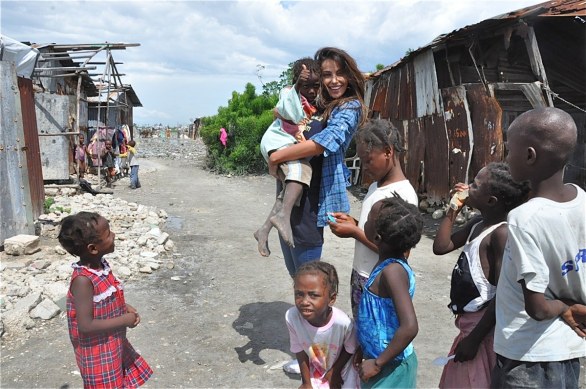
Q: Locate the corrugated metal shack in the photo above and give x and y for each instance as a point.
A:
(69, 90)
(116, 111)
(44, 91)
(454, 98)
(21, 188)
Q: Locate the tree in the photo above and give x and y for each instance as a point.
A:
(246, 118)
(274, 87)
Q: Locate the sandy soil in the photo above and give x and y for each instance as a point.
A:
(222, 323)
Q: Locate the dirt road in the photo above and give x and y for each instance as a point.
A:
(221, 324)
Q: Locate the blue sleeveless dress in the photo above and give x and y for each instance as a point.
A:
(377, 319)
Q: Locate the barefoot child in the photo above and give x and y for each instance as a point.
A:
(81, 156)
(386, 323)
(378, 144)
(294, 112)
(97, 314)
(540, 311)
(322, 336)
(474, 279)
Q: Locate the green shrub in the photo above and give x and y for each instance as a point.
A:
(246, 118)
(47, 204)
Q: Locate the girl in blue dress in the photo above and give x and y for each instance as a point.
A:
(386, 322)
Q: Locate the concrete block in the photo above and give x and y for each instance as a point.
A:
(22, 245)
(46, 310)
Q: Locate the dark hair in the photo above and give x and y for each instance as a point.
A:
(311, 65)
(77, 231)
(315, 267)
(399, 224)
(379, 133)
(504, 188)
(131, 143)
(355, 89)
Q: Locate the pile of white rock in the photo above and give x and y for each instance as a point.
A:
(171, 148)
(34, 286)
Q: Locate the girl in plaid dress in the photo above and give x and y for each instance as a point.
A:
(97, 314)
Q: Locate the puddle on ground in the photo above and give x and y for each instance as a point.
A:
(174, 223)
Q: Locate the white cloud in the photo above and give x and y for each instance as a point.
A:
(193, 54)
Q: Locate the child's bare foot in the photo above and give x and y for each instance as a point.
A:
(263, 244)
(284, 227)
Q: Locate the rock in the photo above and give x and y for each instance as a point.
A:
(148, 254)
(46, 310)
(423, 205)
(27, 303)
(163, 214)
(18, 291)
(40, 264)
(18, 264)
(169, 245)
(145, 269)
(460, 219)
(163, 238)
(437, 214)
(56, 290)
(60, 250)
(22, 245)
(124, 271)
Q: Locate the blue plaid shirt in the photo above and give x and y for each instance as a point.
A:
(335, 139)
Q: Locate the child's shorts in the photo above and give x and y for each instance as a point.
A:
(297, 170)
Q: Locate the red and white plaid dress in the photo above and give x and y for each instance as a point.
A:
(105, 359)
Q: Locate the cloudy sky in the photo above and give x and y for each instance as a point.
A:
(193, 54)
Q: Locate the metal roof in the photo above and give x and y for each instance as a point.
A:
(556, 8)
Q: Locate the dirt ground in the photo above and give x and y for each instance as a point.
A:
(222, 323)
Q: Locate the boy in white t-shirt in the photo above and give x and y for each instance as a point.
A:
(378, 144)
(540, 311)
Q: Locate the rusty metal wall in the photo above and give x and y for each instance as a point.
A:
(436, 171)
(460, 136)
(31, 140)
(486, 114)
(16, 216)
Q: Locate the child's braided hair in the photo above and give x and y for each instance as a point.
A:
(399, 224)
(379, 134)
(315, 267)
(502, 186)
(77, 231)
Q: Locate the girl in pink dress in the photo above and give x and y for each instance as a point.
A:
(97, 313)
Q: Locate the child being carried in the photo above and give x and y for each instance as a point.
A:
(294, 111)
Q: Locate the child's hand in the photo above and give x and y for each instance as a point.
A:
(303, 77)
(344, 225)
(575, 317)
(334, 378)
(458, 196)
(368, 369)
(274, 169)
(131, 309)
(466, 349)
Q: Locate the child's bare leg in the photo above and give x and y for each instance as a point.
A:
(262, 234)
(282, 219)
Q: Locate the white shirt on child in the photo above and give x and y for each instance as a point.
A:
(365, 258)
(324, 344)
(546, 248)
